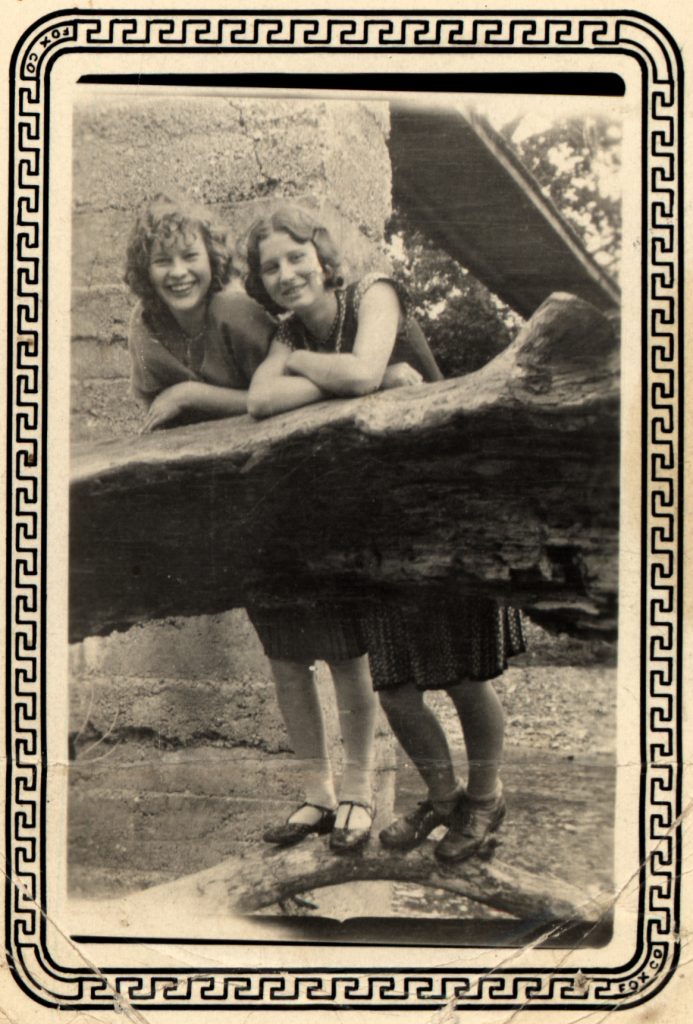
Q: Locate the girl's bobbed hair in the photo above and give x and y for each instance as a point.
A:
(302, 225)
(163, 219)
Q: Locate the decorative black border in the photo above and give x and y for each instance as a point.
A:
(628, 33)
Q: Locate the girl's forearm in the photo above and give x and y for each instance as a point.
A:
(340, 373)
(211, 401)
(280, 394)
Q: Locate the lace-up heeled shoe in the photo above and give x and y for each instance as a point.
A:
(471, 824)
(412, 829)
(292, 832)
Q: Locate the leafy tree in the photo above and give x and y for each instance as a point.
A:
(577, 164)
(465, 324)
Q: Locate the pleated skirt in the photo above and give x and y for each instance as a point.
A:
(435, 643)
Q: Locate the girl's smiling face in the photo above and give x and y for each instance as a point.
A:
(180, 273)
(291, 271)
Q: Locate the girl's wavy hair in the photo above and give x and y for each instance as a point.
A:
(164, 219)
(302, 226)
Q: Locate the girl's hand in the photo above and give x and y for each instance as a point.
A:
(199, 400)
(166, 406)
(400, 375)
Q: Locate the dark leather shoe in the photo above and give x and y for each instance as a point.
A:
(471, 825)
(410, 831)
(292, 832)
(344, 840)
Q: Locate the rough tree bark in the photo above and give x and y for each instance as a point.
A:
(504, 482)
(263, 878)
(269, 878)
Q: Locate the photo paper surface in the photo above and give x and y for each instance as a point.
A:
(495, 517)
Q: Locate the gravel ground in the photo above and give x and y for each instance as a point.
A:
(141, 815)
(559, 779)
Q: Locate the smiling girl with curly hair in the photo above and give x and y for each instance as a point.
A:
(195, 340)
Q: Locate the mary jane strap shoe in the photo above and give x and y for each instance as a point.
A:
(291, 832)
(345, 840)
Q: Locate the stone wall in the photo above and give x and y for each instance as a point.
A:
(187, 680)
(177, 682)
(237, 157)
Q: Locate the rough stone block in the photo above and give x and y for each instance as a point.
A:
(187, 678)
(225, 153)
(183, 681)
(102, 410)
(357, 165)
(196, 648)
(91, 360)
(99, 241)
(101, 313)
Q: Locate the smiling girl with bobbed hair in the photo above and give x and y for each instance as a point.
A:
(294, 267)
(345, 341)
(402, 359)
(302, 226)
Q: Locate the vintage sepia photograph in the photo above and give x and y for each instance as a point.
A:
(333, 612)
(352, 658)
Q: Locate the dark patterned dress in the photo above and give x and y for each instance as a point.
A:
(439, 642)
(330, 631)
(410, 344)
(435, 643)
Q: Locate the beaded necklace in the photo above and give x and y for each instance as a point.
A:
(333, 340)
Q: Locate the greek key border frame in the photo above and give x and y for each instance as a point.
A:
(630, 33)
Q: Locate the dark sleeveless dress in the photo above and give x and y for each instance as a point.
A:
(435, 643)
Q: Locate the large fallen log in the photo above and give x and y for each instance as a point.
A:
(504, 482)
(272, 877)
(265, 877)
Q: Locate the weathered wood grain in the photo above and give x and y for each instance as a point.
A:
(504, 482)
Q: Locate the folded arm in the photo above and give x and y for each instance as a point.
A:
(361, 371)
(274, 390)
